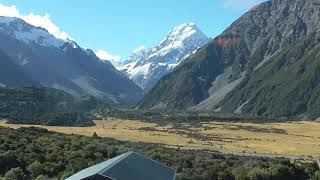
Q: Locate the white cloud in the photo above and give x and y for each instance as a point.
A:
(240, 4)
(105, 56)
(43, 21)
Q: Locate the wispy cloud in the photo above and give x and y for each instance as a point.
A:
(240, 4)
(43, 21)
(105, 56)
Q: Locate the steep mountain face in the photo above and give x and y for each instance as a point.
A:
(265, 63)
(12, 74)
(146, 66)
(63, 64)
(287, 86)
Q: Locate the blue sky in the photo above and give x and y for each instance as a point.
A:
(120, 26)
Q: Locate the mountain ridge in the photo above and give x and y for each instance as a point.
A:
(244, 49)
(146, 66)
(63, 64)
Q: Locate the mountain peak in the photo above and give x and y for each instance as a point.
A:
(184, 29)
(27, 33)
(146, 66)
(246, 69)
(182, 32)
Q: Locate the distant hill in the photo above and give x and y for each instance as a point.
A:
(266, 63)
(45, 106)
(60, 64)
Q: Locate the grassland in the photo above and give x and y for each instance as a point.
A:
(292, 139)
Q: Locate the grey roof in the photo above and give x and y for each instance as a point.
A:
(90, 171)
(128, 166)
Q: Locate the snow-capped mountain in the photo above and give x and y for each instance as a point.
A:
(27, 33)
(46, 60)
(146, 66)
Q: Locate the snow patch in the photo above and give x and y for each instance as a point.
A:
(179, 34)
(27, 33)
(24, 62)
(127, 67)
(38, 36)
(7, 20)
(73, 44)
(139, 50)
(140, 70)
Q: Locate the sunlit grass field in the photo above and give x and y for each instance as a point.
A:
(296, 139)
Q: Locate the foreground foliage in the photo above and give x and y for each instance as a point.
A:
(34, 153)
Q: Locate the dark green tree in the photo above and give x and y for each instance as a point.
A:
(8, 160)
(95, 135)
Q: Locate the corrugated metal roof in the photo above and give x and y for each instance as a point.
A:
(95, 169)
(128, 166)
(316, 3)
(137, 167)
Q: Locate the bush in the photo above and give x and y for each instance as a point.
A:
(35, 169)
(14, 174)
(46, 155)
(241, 173)
(316, 176)
(258, 174)
(280, 172)
(41, 177)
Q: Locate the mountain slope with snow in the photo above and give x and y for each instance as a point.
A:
(146, 66)
(27, 33)
(252, 67)
(62, 64)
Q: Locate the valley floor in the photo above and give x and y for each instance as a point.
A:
(292, 139)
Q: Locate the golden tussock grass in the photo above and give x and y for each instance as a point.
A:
(300, 139)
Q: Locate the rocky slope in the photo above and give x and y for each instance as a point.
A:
(146, 66)
(287, 86)
(265, 63)
(61, 64)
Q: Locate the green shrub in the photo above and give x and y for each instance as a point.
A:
(36, 169)
(14, 174)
